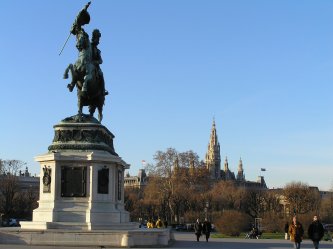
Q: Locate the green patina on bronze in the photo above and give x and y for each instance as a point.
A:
(86, 135)
(86, 73)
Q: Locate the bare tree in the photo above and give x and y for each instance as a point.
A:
(173, 181)
(133, 202)
(154, 198)
(9, 187)
(232, 222)
(24, 203)
(326, 207)
(254, 203)
(226, 195)
(302, 198)
(11, 167)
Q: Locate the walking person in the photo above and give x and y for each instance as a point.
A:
(316, 231)
(296, 232)
(197, 229)
(286, 228)
(206, 228)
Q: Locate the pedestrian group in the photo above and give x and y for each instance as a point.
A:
(204, 228)
(296, 232)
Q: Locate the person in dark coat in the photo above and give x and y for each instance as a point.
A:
(296, 232)
(286, 228)
(206, 228)
(197, 229)
(316, 231)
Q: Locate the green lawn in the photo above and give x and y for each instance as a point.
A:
(272, 236)
(265, 236)
(242, 235)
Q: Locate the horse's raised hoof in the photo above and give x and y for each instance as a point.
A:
(70, 87)
(65, 76)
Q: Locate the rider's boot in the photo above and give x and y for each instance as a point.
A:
(84, 89)
(84, 86)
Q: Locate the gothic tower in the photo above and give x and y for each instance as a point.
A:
(226, 173)
(240, 174)
(213, 159)
(226, 169)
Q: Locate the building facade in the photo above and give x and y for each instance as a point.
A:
(213, 165)
(139, 181)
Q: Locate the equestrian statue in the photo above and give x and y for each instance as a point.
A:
(86, 73)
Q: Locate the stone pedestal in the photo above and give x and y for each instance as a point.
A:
(85, 192)
(82, 194)
(81, 183)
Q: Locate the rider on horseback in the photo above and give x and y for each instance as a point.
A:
(83, 64)
(97, 58)
(86, 72)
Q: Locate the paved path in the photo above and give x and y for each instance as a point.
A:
(187, 241)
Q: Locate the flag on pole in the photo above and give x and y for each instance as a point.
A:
(263, 169)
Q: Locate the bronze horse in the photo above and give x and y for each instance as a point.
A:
(94, 96)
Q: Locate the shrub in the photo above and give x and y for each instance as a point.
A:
(232, 223)
(273, 223)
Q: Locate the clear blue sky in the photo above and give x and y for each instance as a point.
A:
(263, 69)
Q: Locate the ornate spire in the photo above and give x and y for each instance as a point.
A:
(226, 164)
(212, 159)
(240, 174)
(240, 165)
(228, 175)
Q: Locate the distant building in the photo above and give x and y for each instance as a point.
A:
(213, 159)
(139, 181)
(28, 182)
(213, 164)
(326, 195)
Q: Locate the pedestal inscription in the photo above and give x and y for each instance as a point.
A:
(73, 181)
(120, 177)
(103, 181)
